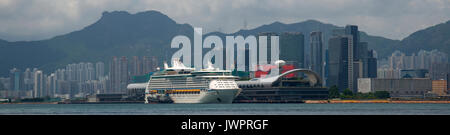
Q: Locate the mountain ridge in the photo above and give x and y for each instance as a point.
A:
(149, 33)
(434, 37)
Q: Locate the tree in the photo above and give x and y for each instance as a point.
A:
(360, 95)
(333, 92)
(382, 94)
(347, 93)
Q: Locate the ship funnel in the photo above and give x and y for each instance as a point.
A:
(176, 63)
(210, 66)
(165, 65)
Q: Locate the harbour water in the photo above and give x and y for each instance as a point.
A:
(225, 109)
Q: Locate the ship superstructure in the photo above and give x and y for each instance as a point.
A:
(181, 84)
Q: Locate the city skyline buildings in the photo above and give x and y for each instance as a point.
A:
(74, 80)
(349, 59)
(84, 71)
(358, 62)
(122, 70)
(434, 61)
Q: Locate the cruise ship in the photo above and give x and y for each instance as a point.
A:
(181, 84)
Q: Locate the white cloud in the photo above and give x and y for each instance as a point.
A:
(41, 19)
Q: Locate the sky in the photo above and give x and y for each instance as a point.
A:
(27, 20)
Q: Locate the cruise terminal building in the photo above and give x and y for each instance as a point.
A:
(279, 89)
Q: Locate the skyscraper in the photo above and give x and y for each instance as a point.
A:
(28, 79)
(353, 31)
(99, 70)
(362, 58)
(292, 48)
(90, 72)
(123, 73)
(114, 75)
(372, 65)
(154, 63)
(149, 64)
(38, 84)
(51, 85)
(448, 83)
(362, 63)
(316, 59)
(146, 65)
(363, 50)
(16, 79)
(81, 70)
(136, 66)
(326, 67)
(118, 75)
(341, 63)
(439, 70)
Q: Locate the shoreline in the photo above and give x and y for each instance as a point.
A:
(32, 103)
(377, 101)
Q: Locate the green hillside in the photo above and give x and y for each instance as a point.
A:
(149, 33)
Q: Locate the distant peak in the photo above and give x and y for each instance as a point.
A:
(114, 13)
(145, 14)
(3, 41)
(121, 13)
(277, 23)
(312, 21)
(150, 12)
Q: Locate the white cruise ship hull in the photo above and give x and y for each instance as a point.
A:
(220, 96)
(181, 84)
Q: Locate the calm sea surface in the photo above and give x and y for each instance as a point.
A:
(226, 109)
